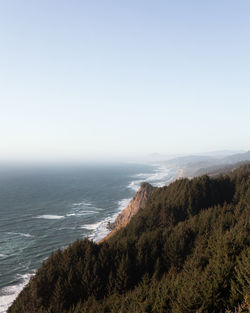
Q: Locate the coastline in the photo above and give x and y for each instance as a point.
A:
(131, 206)
(159, 177)
(162, 176)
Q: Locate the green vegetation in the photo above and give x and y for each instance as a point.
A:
(187, 251)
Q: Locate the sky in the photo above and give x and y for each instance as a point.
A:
(81, 80)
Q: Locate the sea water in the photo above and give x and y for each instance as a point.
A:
(46, 208)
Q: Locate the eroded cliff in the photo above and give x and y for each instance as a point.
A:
(137, 202)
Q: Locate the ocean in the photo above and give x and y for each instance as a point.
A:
(46, 208)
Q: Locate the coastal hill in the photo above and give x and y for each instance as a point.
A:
(136, 203)
(196, 165)
(186, 250)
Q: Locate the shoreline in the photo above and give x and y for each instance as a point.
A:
(160, 176)
(111, 232)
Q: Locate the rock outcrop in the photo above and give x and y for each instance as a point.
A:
(138, 202)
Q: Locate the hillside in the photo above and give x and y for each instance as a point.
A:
(187, 250)
(196, 165)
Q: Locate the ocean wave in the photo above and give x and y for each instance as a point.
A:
(96, 208)
(122, 204)
(66, 227)
(86, 203)
(83, 213)
(99, 229)
(50, 217)
(135, 184)
(83, 209)
(3, 255)
(160, 177)
(93, 226)
(21, 234)
(9, 293)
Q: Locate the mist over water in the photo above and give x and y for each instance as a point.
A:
(46, 208)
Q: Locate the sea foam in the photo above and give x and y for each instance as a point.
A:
(93, 226)
(160, 177)
(3, 255)
(99, 229)
(8, 294)
(50, 217)
(21, 234)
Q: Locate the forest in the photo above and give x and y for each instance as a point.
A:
(186, 251)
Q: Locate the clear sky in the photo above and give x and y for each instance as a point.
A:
(85, 79)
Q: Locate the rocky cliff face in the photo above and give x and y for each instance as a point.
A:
(138, 202)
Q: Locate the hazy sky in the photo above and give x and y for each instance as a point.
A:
(81, 79)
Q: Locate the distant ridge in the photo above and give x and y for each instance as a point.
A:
(194, 165)
(239, 157)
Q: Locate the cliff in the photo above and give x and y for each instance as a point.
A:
(138, 202)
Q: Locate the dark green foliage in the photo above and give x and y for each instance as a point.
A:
(187, 251)
(240, 285)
